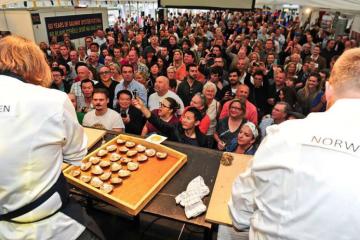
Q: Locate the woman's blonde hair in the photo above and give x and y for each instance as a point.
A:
(24, 58)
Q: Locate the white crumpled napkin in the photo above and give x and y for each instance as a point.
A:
(191, 198)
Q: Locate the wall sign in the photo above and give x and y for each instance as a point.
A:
(77, 26)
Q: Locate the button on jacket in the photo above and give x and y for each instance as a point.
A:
(39, 130)
(304, 179)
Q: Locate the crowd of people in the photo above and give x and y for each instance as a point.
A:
(215, 79)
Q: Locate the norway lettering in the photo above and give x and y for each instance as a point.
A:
(336, 143)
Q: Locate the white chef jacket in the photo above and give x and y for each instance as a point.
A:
(304, 179)
(39, 130)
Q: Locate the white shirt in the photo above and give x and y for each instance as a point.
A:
(155, 99)
(110, 120)
(39, 131)
(304, 179)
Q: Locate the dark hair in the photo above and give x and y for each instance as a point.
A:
(94, 43)
(259, 72)
(57, 69)
(242, 105)
(234, 70)
(172, 83)
(190, 65)
(216, 70)
(101, 90)
(289, 95)
(86, 81)
(77, 65)
(174, 105)
(124, 91)
(186, 41)
(127, 65)
(189, 52)
(216, 46)
(196, 112)
(315, 74)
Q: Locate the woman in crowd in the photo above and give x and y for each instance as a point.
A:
(288, 94)
(116, 71)
(291, 70)
(229, 127)
(246, 141)
(307, 94)
(213, 106)
(162, 66)
(166, 113)
(171, 75)
(154, 73)
(141, 78)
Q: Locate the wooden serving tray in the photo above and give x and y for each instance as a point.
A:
(142, 185)
(218, 211)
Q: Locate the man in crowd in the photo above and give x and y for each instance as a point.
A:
(278, 115)
(107, 83)
(138, 66)
(83, 73)
(162, 90)
(187, 89)
(74, 59)
(102, 117)
(87, 89)
(131, 116)
(130, 84)
(58, 80)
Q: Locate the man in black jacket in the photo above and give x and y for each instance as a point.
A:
(132, 117)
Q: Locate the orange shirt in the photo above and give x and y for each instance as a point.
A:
(181, 73)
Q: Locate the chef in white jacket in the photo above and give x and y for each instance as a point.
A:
(304, 179)
(39, 130)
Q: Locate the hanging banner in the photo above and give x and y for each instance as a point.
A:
(77, 26)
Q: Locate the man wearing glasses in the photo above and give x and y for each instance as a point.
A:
(107, 83)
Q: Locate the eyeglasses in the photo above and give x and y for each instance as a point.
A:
(163, 105)
(103, 73)
(236, 108)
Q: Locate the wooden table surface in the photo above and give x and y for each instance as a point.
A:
(218, 208)
(201, 161)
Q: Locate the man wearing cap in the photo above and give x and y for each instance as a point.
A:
(303, 180)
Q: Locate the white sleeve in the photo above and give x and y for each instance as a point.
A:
(75, 146)
(241, 204)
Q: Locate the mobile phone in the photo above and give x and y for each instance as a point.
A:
(123, 114)
(135, 94)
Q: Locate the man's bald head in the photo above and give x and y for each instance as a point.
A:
(162, 85)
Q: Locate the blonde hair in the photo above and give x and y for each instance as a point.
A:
(345, 75)
(209, 85)
(24, 58)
